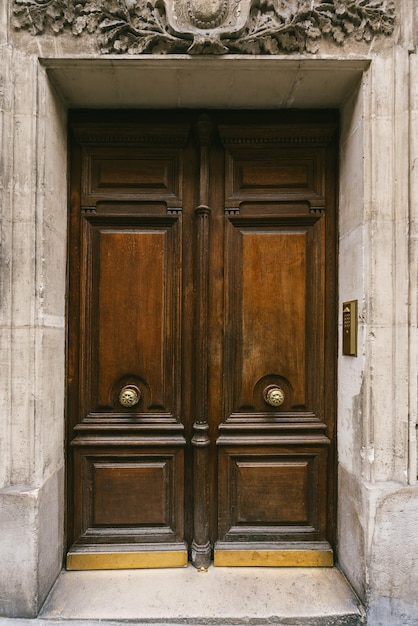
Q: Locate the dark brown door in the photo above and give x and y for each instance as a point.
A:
(201, 370)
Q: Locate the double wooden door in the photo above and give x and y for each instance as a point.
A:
(201, 357)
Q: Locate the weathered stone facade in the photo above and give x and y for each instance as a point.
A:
(355, 55)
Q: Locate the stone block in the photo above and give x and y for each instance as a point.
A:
(51, 278)
(18, 552)
(50, 400)
(393, 561)
(351, 187)
(30, 545)
(351, 262)
(352, 531)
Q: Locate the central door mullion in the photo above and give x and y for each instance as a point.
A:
(201, 547)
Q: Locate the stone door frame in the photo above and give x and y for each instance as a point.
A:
(373, 209)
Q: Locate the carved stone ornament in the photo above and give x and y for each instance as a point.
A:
(209, 26)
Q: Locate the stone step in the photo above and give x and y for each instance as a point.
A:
(220, 596)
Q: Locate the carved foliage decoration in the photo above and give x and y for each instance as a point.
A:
(209, 26)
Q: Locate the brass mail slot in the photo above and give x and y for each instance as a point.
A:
(350, 323)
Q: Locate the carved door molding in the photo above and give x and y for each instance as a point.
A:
(202, 329)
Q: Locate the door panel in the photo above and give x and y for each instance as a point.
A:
(272, 492)
(136, 318)
(115, 480)
(140, 173)
(267, 293)
(201, 359)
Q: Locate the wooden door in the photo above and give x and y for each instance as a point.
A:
(201, 358)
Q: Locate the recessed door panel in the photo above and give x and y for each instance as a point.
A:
(273, 493)
(120, 487)
(268, 313)
(134, 278)
(129, 494)
(201, 360)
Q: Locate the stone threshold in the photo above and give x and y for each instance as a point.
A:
(222, 596)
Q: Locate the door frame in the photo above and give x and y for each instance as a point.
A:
(64, 81)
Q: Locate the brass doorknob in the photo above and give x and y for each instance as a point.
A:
(129, 396)
(273, 395)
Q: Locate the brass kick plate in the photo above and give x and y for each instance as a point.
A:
(274, 558)
(350, 323)
(126, 560)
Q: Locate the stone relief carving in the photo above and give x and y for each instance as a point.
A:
(209, 26)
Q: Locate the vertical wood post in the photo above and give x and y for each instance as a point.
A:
(201, 547)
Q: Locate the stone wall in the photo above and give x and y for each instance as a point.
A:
(33, 277)
(41, 75)
(377, 392)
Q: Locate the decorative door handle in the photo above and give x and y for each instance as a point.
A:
(129, 396)
(273, 395)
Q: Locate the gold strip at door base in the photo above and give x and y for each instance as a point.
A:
(273, 558)
(126, 560)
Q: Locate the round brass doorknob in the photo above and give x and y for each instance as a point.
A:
(273, 395)
(129, 396)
